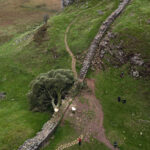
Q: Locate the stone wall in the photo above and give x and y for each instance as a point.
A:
(42, 137)
(95, 43)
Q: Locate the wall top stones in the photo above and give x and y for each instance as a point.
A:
(42, 137)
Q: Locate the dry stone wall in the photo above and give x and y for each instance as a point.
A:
(95, 43)
(42, 137)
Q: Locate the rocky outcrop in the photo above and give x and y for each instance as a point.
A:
(137, 60)
(42, 137)
(107, 50)
(95, 43)
(113, 53)
(67, 2)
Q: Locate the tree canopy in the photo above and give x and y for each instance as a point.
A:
(48, 89)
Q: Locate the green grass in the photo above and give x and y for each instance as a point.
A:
(66, 134)
(63, 134)
(87, 25)
(133, 28)
(79, 38)
(122, 121)
(17, 123)
(20, 64)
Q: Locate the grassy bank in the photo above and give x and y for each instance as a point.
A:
(20, 63)
(128, 123)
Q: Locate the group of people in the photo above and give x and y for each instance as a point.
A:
(123, 101)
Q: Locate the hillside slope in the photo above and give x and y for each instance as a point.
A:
(22, 59)
(21, 15)
(128, 123)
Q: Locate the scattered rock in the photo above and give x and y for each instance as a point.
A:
(102, 53)
(100, 12)
(135, 73)
(148, 21)
(141, 133)
(136, 60)
(111, 35)
(2, 95)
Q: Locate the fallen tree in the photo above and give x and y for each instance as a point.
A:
(48, 89)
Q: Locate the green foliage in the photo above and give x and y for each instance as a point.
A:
(48, 87)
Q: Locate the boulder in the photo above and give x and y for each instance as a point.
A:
(135, 73)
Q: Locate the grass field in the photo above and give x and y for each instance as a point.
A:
(87, 24)
(129, 124)
(21, 63)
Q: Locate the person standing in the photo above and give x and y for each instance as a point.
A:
(119, 99)
(122, 75)
(115, 144)
(79, 141)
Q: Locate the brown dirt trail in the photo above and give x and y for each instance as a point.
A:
(70, 52)
(81, 121)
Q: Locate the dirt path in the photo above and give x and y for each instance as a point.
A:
(99, 114)
(67, 46)
(88, 120)
(70, 52)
